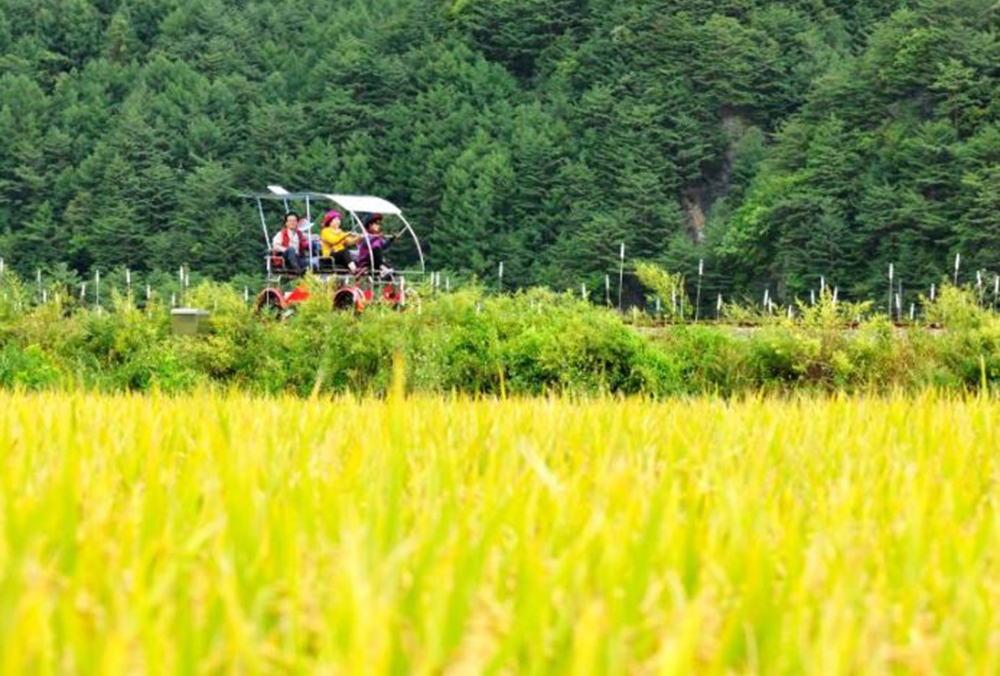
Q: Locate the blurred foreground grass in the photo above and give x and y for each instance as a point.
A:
(225, 533)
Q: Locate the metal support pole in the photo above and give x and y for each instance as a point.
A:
(900, 301)
(891, 272)
(263, 223)
(621, 276)
(697, 302)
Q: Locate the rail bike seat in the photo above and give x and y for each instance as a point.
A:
(276, 262)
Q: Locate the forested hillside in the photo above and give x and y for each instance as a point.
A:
(779, 141)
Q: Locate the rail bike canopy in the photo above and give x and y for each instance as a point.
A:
(353, 205)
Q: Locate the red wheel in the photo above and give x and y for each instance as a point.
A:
(270, 304)
(349, 299)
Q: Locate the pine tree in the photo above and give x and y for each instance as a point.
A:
(112, 232)
(531, 214)
(201, 235)
(472, 208)
(358, 166)
(876, 241)
(978, 233)
(40, 240)
(119, 39)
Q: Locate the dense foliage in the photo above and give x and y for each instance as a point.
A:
(530, 343)
(777, 140)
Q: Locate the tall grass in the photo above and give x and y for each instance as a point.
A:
(224, 533)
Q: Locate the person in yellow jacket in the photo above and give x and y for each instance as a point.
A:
(334, 242)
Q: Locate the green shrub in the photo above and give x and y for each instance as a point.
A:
(709, 359)
(955, 308)
(531, 342)
(975, 355)
(781, 357)
(28, 368)
(868, 359)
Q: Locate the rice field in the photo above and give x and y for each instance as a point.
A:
(219, 533)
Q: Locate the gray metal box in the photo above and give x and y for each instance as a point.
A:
(189, 321)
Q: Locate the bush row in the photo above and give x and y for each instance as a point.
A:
(530, 343)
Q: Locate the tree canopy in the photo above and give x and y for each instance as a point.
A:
(779, 141)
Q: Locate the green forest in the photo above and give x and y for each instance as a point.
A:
(777, 141)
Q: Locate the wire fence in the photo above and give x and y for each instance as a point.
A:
(701, 297)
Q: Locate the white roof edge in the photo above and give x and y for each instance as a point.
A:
(365, 204)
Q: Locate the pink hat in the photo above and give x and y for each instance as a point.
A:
(330, 215)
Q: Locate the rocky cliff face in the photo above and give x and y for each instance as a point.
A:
(697, 200)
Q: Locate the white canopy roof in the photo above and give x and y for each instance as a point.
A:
(365, 204)
(356, 203)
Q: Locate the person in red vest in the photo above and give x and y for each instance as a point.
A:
(290, 243)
